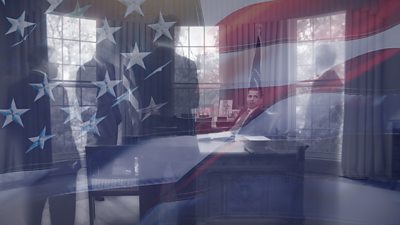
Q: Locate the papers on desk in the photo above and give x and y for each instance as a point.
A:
(282, 146)
(220, 136)
(230, 136)
(251, 138)
(225, 134)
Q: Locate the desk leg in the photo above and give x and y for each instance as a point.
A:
(149, 196)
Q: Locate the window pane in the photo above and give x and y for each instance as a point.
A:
(211, 36)
(71, 28)
(322, 28)
(338, 25)
(54, 26)
(211, 75)
(181, 36)
(305, 54)
(211, 65)
(196, 36)
(304, 30)
(71, 52)
(183, 51)
(300, 117)
(211, 57)
(340, 70)
(70, 72)
(302, 99)
(88, 30)
(88, 51)
(55, 54)
(197, 55)
(305, 73)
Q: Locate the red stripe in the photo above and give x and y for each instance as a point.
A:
(360, 65)
(363, 18)
(371, 20)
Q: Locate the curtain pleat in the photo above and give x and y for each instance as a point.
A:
(366, 147)
(14, 68)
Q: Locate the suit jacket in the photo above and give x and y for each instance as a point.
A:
(175, 117)
(108, 128)
(256, 112)
(260, 123)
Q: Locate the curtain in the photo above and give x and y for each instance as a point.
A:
(14, 66)
(369, 99)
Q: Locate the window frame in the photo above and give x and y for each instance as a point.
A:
(73, 87)
(304, 86)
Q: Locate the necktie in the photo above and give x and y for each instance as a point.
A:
(239, 123)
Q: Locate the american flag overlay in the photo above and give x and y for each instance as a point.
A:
(211, 111)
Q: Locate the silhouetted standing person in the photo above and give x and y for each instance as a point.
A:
(50, 156)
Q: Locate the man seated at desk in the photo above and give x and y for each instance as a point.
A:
(251, 110)
(254, 120)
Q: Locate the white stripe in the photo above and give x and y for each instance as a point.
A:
(275, 67)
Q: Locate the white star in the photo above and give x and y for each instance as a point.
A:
(74, 112)
(106, 85)
(106, 32)
(53, 5)
(159, 69)
(90, 126)
(135, 57)
(13, 114)
(78, 11)
(153, 108)
(19, 24)
(128, 95)
(132, 6)
(44, 88)
(39, 141)
(162, 28)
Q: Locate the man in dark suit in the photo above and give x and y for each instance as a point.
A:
(108, 128)
(250, 111)
(255, 120)
(48, 151)
(173, 117)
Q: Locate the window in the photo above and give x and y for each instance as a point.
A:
(72, 45)
(312, 33)
(200, 44)
(319, 62)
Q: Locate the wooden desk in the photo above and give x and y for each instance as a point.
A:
(244, 188)
(228, 184)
